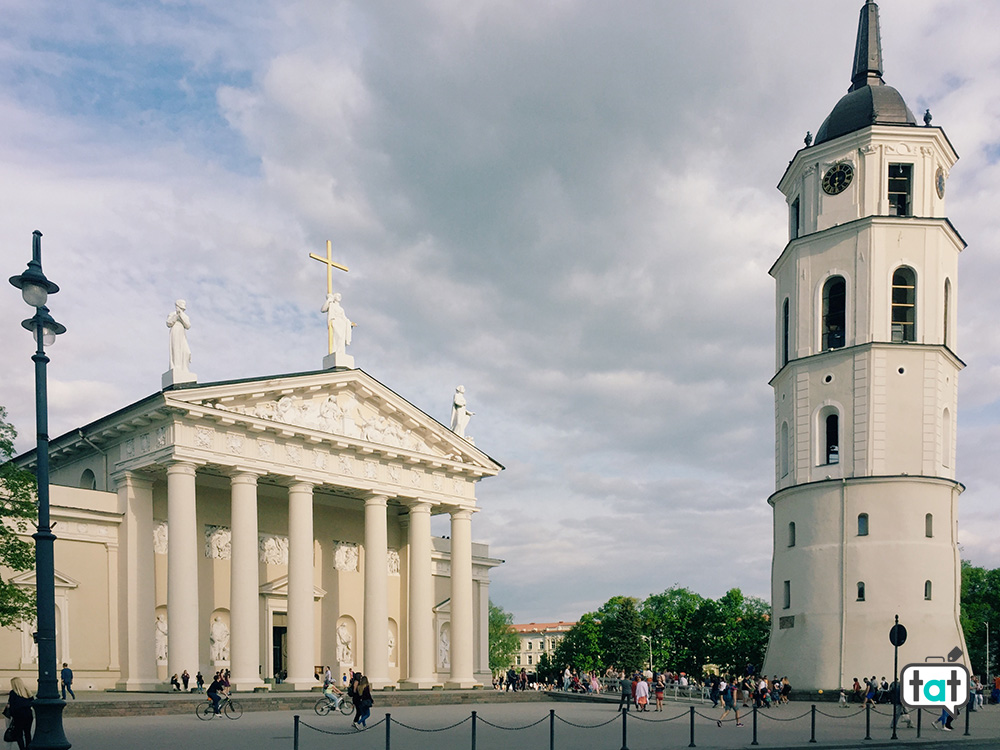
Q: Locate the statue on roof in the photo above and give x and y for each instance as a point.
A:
(180, 353)
(460, 414)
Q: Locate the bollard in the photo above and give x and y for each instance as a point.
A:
(920, 713)
(295, 734)
(624, 730)
(691, 744)
(812, 736)
(388, 723)
(473, 731)
(552, 729)
(754, 725)
(967, 712)
(868, 720)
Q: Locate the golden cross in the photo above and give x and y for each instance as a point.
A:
(330, 265)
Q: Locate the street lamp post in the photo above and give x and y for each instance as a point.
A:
(48, 706)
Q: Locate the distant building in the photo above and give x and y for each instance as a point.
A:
(539, 638)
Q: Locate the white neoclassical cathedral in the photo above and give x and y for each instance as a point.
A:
(865, 393)
(269, 526)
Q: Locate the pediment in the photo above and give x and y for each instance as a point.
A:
(340, 405)
(62, 580)
(279, 587)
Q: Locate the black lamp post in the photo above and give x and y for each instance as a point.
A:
(35, 289)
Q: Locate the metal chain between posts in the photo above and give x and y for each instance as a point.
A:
(586, 726)
(792, 718)
(512, 729)
(651, 720)
(432, 731)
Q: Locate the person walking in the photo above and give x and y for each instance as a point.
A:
(363, 701)
(728, 691)
(66, 675)
(642, 695)
(626, 688)
(19, 702)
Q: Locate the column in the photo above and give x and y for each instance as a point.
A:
(420, 603)
(301, 621)
(136, 584)
(244, 589)
(182, 570)
(376, 642)
(462, 675)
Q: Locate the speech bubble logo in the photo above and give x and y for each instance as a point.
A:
(934, 685)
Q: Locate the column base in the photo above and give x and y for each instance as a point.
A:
(142, 686)
(420, 684)
(248, 686)
(462, 684)
(289, 686)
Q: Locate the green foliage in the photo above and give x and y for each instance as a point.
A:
(980, 605)
(671, 621)
(580, 647)
(621, 634)
(17, 509)
(546, 669)
(504, 640)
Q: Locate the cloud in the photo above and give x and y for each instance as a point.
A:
(570, 208)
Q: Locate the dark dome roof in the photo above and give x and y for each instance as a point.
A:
(868, 105)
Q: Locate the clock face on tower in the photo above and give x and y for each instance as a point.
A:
(837, 178)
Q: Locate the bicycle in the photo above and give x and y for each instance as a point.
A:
(227, 706)
(329, 703)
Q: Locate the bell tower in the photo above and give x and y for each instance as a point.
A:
(865, 391)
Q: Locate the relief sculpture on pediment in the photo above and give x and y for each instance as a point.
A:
(339, 416)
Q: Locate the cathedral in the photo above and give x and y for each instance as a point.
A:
(865, 392)
(271, 526)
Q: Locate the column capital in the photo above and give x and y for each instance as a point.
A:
(459, 512)
(301, 483)
(239, 475)
(176, 466)
(377, 499)
(417, 504)
(126, 478)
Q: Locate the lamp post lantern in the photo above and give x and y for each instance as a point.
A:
(48, 705)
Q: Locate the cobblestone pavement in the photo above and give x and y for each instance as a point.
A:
(507, 726)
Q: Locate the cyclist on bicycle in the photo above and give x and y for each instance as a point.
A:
(216, 691)
(330, 690)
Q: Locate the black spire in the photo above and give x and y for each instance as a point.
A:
(868, 50)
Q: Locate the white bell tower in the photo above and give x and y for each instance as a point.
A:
(865, 392)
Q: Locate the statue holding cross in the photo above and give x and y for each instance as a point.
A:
(338, 326)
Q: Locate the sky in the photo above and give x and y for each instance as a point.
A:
(568, 207)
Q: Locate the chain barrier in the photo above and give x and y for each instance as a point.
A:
(398, 723)
(586, 726)
(512, 729)
(651, 720)
(624, 717)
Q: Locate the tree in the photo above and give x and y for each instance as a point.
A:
(17, 508)
(504, 640)
(980, 604)
(669, 620)
(580, 647)
(621, 634)
(736, 629)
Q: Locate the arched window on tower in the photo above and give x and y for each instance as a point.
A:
(832, 441)
(783, 450)
(947, 310)
(904, 305)
(863, 524)
(87, 480)
(834, 313)
(929, 525)
(861, 591)
(785, 320)
(791, 534)
(927, 590)
(794, 218)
